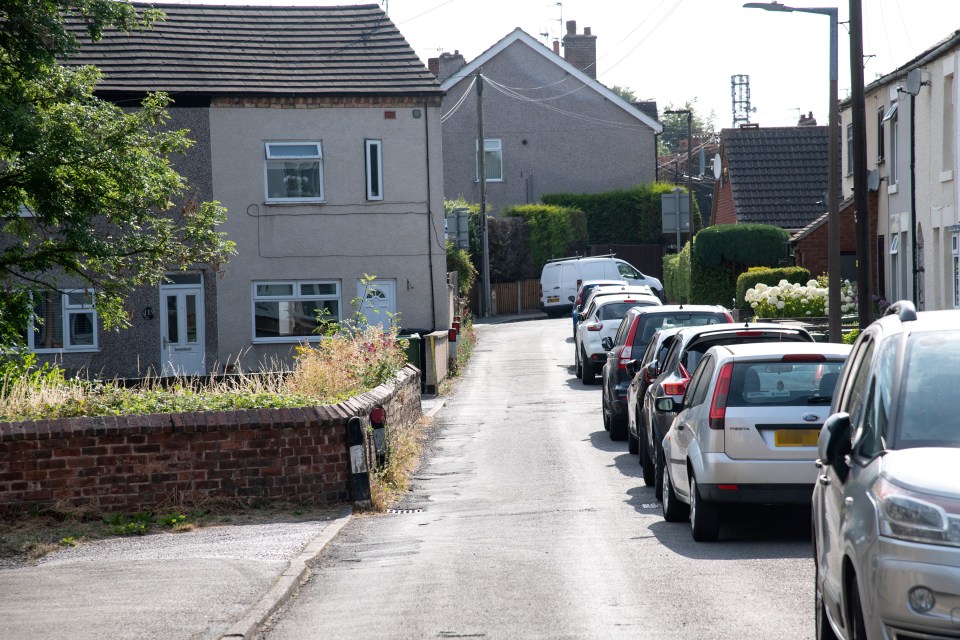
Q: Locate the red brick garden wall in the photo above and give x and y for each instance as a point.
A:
(132, 463)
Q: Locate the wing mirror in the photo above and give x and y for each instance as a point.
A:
(632, 367)
(651, 371)
(666, 404)
(607, 343)
(835, 444)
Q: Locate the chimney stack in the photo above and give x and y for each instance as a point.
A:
(433, 64)
(580, 50)
(449, 64)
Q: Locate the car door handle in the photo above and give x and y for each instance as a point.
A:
(824, 480)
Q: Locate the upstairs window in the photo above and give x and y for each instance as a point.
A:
(880, 138)
(63, 321)
(374, 161)
(849, 149)
(492, 160)
(294, 171)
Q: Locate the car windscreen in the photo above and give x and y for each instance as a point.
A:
(650, 324)
(930, 402)
(777, 383)
(699, 346)
(616, 310)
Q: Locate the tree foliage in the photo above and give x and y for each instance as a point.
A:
(552, 231)
(674, 136)
(89, 196)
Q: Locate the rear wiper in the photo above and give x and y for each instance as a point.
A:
(819, 399)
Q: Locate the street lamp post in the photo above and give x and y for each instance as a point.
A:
(833, 164)
(689, 115)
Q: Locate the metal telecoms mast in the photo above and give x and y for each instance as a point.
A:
(740, 92)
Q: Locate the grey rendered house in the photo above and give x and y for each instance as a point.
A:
(318, 128)
(549, 125)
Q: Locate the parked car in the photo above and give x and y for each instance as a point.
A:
(672, 376)
(560, 279)
(615, 289)
(583, 292)
(886, 506)
(746, 430)
(631, 339)
(602, 318)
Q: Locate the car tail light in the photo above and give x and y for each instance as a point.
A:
(804, 357)
(718, 406)
(595, 326)
(677, 388)
(579, 283)
(541, 291)
(728, 317)
(625, 353)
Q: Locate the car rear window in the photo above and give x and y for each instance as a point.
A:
(649, 325)
(696, 350)
(616, 310)
(930, 402)
(782, 383)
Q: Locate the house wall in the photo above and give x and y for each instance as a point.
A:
(343, 238)
(811, 251)
(598, 148)
(724, 210)
(135, 351)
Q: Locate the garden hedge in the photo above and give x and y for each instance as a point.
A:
(722, 252)
(551, 231)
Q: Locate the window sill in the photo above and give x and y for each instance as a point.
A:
(946, 176)
(66, 350)
(892, 189)
(288, 201)
(290, 340)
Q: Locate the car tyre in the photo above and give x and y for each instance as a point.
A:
(704, 515)
(618, 429)
(649, 472)
(576, 359)
(633, 444)
(858, 629)
(673, 509)
(658, 474)
(586, 370)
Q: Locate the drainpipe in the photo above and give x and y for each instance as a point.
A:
(433, 295)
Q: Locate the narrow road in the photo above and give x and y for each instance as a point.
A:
(527, 521)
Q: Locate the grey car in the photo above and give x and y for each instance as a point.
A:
(886, 506)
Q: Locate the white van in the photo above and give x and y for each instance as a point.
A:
(560, 279)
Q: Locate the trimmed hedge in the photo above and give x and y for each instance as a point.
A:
(676, 275)
(552, 231)
(772, 277)
(722, 252)
(624, 216)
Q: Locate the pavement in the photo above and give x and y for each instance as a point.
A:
(215, 582)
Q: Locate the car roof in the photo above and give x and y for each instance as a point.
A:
(627, 297)
(740, 326)
(604, 290)
(831, 350)
(670, 309)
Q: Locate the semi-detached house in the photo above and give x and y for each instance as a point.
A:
(318, 128)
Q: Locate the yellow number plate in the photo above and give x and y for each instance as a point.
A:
(797, 437)
(553, 299)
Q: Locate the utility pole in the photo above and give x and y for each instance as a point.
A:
(861, 205)
(689, 113)
(482, 174)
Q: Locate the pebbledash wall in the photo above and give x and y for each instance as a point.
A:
(130, 463)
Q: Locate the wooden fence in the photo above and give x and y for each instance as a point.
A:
(509, 297)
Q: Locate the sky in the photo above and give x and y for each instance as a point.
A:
(675, 51)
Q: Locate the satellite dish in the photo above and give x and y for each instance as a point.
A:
(717, 170)
(873, 180)
(914, 80)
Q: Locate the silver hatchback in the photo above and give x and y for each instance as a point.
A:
(886, 507)
(747, 429)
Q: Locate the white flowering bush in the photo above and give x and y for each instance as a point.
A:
(789, 300)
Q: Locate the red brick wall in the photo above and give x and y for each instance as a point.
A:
(811, 251)
(724, 211)
(132, 463)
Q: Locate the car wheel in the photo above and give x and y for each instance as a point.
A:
(858, 629)
(586, 370)
(618, 429)
(646, 463)
(673, 509)
(658, 474)
(606, 421)
(704, 515)
(633, 445)
(823, 628)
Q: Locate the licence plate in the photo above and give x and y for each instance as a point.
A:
(553, 299)
(796, 437)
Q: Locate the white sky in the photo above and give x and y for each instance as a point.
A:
(673, 51)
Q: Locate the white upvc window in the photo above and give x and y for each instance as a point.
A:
(293, 171)
(955, 260)
(294, 310)
(63, 321)
(895, 288)
(492, 160)
(373, 153)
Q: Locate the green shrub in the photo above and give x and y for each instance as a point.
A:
(676, 275)
(722, 252)
(624, 216)
(459, 260)
(552, 231)
(768, 276)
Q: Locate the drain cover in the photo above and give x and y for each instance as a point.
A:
(404, 510)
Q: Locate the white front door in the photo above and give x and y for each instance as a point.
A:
(378, 301)
(181, 329)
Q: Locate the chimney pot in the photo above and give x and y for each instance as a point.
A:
(556, 47)
(586, 31)
(571, 27)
